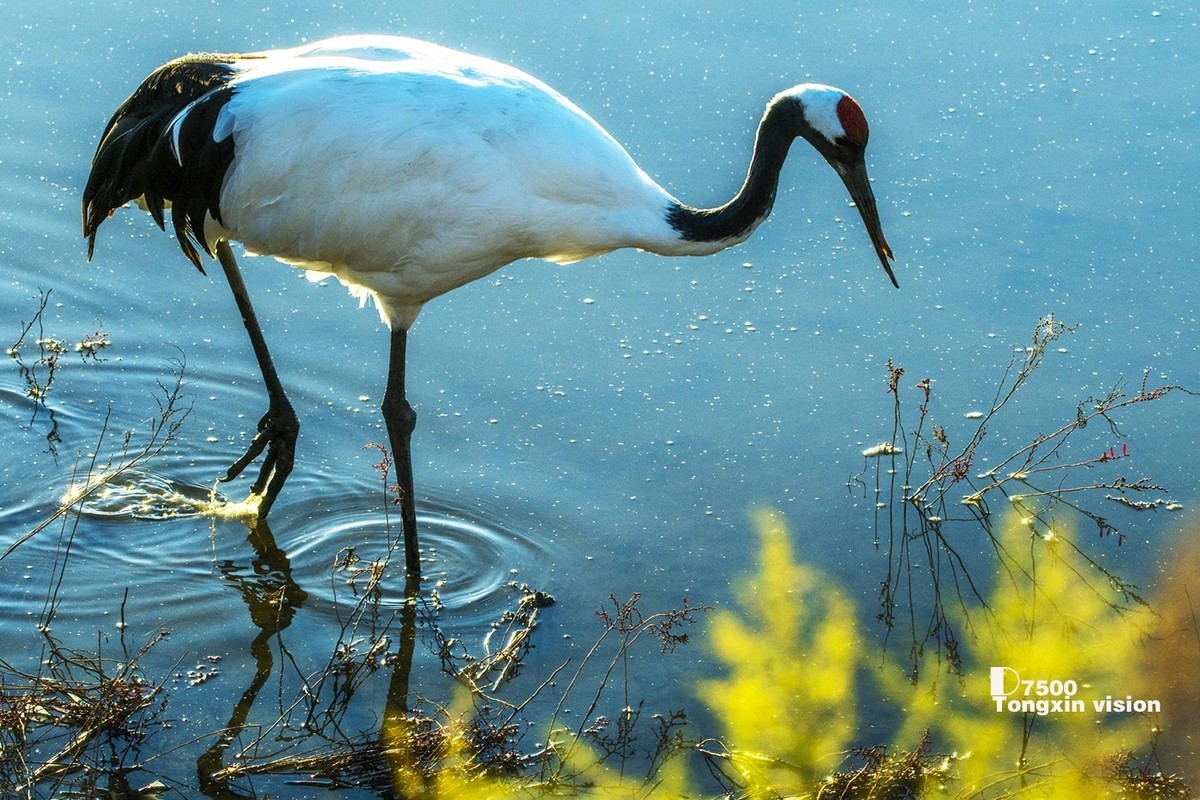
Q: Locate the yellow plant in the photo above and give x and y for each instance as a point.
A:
(1056, 647)
(434, 759)
(792, 653)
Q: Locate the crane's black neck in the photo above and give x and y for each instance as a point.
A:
(734, 221)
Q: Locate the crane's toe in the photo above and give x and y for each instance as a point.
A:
(277, 433)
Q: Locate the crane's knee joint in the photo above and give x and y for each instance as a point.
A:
(399, 410)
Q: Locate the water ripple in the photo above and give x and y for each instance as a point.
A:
(146, 495)
(470, 557)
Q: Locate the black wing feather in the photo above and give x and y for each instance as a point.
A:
(136, 157)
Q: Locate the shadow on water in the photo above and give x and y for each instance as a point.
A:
(273, 597)
(343, 701)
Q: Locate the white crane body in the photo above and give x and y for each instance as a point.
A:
(406, 170)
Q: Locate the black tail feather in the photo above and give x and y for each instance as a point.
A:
(136, 159)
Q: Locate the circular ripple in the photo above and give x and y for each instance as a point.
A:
(145, 495)
(470, 558)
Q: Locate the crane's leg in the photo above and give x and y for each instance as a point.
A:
(278, 428)
(400, 419)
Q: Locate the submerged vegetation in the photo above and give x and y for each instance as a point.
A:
(38, 373)
(795, 670)
(1052, 677)
(935, 498)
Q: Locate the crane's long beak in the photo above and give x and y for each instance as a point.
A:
(855, 178)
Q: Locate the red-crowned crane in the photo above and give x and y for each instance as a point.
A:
(406, 169)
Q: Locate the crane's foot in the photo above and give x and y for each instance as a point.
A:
(277, 433)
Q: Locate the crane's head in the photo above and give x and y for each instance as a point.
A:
(832, 122)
